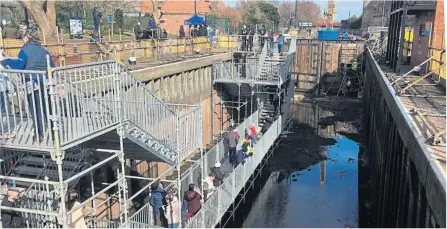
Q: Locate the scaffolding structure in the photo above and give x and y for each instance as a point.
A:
(248, 94)
(92, 128)
(65, 129)
(349, 77)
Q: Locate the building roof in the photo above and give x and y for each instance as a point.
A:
(322, 22)
(178, 7)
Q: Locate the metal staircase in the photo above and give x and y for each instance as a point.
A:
(84, 107)
(35, 165)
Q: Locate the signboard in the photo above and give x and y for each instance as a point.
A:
(110, 19)
(76, 28)
(304, 24)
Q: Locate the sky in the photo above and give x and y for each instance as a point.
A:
(343, 7)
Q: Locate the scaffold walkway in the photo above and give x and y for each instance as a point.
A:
(84, 128)
(423, 97)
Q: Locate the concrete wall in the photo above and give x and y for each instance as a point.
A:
(407, 186)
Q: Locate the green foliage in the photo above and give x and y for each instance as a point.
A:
(270, 12)
(352, 19)
(260, 13)
(118, 17)
(355, 24)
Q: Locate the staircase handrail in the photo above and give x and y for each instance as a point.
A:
(124, 67)
(160, 142)
(261, 60)
(135, 80)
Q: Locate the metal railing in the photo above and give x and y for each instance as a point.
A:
(38, 206)
(101, 223)
(258, 69)
(86, 100)
(218, 203)
(161, 120)
(67, 52)
(24, 105)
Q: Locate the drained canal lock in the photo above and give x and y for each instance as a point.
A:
(312, 179)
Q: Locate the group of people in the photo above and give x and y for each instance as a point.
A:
(247, 34)
(194, 31)
(153, 31)
(10, 31)
(166, 205)
(277, 39)
(237, 156)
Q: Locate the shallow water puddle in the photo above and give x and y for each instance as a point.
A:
(323, 195)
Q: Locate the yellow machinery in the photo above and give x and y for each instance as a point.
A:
(408, 44)
(329, 13)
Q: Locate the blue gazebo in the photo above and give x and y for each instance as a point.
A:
(195, 20)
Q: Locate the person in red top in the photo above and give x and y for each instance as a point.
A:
(252, 133)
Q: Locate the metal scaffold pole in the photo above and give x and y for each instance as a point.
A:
(58, 153)
(179, 178)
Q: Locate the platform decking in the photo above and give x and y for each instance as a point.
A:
(425, 103)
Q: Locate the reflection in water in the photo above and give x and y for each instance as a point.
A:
(322, 173)
(324, 195)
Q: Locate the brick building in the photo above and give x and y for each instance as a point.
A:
(175, 12)
(429, 31)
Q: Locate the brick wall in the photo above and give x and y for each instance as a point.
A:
(175, 12)
(439, 26)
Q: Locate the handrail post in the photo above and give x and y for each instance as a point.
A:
(179, 178)
(58, 154)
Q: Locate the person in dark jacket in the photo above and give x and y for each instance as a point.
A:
(151, 24)
(233, 139)
(281, 44)
(165, 34)
(181, 32)
(193, 200)
(240, 158)
(11, 219)
(243, 35)
(250, 39)
(276, 103)
(10, 31)
(33, 57)
(97, 17)
(267, 123)
(138, 31)
(157, 203)
(203, 31)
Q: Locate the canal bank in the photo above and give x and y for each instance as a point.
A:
(312, 179)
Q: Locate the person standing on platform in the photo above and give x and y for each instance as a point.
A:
(193, 200)
(233, 139)
(181, 32)
(33, 57)
(280, 44)
(172, 210)
(157, 202)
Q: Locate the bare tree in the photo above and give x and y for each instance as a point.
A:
(286, 10)
(156, 9)
(307, 11)
(44, 13)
